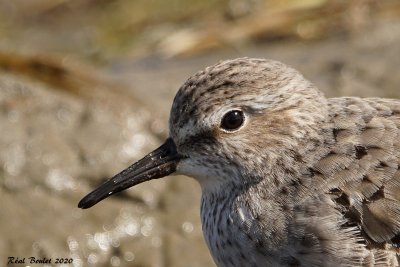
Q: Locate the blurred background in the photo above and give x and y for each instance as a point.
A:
(86, 87)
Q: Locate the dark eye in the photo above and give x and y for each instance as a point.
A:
(232, 120)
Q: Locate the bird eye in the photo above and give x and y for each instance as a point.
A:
(232, 120)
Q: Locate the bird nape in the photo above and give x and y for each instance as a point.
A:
(288, 176)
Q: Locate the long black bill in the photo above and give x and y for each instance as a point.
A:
(159, 163)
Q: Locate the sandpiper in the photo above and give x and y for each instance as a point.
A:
(288, 176)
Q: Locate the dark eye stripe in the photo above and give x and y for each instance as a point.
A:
(232, 120)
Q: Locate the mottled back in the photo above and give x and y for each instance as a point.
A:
(362, 170)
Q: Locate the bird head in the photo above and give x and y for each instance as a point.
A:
(231, 124)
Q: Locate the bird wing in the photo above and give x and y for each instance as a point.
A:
(362, 170)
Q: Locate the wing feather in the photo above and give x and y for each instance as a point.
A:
(362, 168)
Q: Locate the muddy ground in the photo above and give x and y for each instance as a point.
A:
(56, 146)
